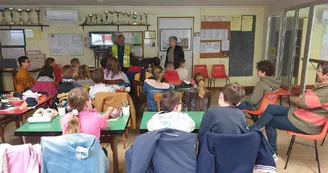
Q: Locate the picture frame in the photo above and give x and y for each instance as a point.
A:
(150, 34)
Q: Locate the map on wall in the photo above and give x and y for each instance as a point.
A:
(66, 44)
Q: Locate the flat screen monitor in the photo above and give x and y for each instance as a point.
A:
(100, 39)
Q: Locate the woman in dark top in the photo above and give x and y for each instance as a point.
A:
(174, 52)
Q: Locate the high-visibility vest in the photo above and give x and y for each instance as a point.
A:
(126, 57)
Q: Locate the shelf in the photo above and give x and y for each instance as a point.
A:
(117, 25)
(26, 25)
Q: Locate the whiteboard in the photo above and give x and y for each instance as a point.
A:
(184, 38)
(66, 44)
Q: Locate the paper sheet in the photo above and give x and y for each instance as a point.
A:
(149, 43)
(33, 34)
(225, 45)
(235, 23)
(247, 23)
(196, 44)
(137, 51)
(210, 47)
(214, 34)
(66, 44)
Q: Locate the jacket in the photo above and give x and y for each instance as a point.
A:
(150, 87)
(66, 86)
(24, 80)
(311, 114)
(171, 76)
(126, 56)
(243, 153)
(172, 120)
(162, 151)
(73, 153)
(103, 100)
(178, 54)
(48, 87)
(266, 84)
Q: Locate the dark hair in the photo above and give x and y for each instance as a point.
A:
(181, 61)
(97, 76)
(144, 66)
(22, 59)
(324, 67)
(156, 61)
(233, 93)
(68, 71)
(134, 61)
(114, 66)
(75, 62)
(265, 66)
(49, 61)
(170, 100)
(47, 71)
(157, 72)
(103, 62)
(169, 63)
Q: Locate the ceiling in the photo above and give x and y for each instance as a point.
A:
(142, 2)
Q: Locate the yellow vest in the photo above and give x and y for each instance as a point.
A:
(126, 57)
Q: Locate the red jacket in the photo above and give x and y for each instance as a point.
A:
(171, 76)
(58, 73)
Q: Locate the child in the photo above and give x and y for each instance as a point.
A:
(171, 117)
(103, 63)
(199, 87)
(170, 74)
(75, 63)
(156, 61)
(114, 72)
(143, 72)
(24, 80)
(46, 74)
(182, 71)
(57, 71)
(98, 77)
(84, 72)
(225, 119)
(267, 83)
(154, 84)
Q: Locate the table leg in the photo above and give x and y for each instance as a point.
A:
(113, 146)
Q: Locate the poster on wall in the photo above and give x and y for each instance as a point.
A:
(66, 44)
(324, 45)
(184, 37)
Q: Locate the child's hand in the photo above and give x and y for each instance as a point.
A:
(108, 112)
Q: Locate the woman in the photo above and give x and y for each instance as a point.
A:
(113, 71)
(200, 88)
(46, 74)
(309, 115)
(174, 53)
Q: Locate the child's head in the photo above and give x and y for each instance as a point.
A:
(47, 71)
(156, 61)
(84, 72)
(97, 76)
(103, 62)
(182, 63)
(78, 99)
(68, 71)
(157, 73)
(24, 62)
(169, 66)
(75, 63)
(171, 101)
(264, 68)
(49, 62)
(114, 66)
(231, 95)
(199, 79)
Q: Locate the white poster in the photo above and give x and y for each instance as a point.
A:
(66, 44)
(184, 37)
(196, 45)
(225, 45)
(210, 47)
(214, 34)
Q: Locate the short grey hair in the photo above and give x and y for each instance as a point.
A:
(120, 36)
(173, 38)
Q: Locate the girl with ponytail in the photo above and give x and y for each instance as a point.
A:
(199, 87)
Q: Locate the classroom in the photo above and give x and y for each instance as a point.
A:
(107, 86)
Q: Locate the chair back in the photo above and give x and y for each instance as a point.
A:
(268, 99)
(113, 82)
(218, 71)
(200, 103)
(158, 98)
(282, 92)
(202, 68)
(324, 132)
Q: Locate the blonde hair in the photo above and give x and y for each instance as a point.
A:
(77, 99)
(84, 72)
(199, 79)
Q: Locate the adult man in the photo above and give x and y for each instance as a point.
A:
(24, 80)
(122, 52)
(174, 52)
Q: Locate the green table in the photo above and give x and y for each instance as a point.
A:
(196, 116)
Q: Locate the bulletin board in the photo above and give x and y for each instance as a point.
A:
(66, 44)
(215, 39)
(134, 39)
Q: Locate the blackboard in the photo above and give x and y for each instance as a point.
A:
(242, 52)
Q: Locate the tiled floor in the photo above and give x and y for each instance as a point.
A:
(302, 159)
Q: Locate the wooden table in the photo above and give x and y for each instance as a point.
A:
(109, 135)
(196, 116)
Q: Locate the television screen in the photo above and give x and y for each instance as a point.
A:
(101, 39)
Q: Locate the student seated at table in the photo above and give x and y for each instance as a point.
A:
(57, 70)
(199, 87)
(98, 78)
(85, 77)
(154, 85)
(24, 80)
(113, 71)
(171, 115)
(309, 115)
(46, 74)
(103, 63)
(144, 74)
(267, 83)
(182, 71)
(75, 63)
(225, 118)
(170, 74)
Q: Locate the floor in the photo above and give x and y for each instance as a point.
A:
(302, 159)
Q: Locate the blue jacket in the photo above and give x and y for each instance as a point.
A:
(150, 87)
(163, 151)
(73, 153)
(235, 153)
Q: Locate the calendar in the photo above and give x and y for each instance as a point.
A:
(37, 60)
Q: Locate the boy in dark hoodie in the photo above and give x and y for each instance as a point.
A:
(170, 74)
(267, 83)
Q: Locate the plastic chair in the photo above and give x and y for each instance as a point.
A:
(315, 138)
(268, 99)
(158, 98)
(218, 72)
(202, 68)
(283, 93)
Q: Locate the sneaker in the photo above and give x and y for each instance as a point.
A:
(39, 112)
(50, 113)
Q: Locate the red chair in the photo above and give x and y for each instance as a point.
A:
(218, 72)
(202, 68)
(268, 99)
(283, 93)
(315, 138)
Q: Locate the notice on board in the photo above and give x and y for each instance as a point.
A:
(235, 23)
(210, 47)
(247, 23)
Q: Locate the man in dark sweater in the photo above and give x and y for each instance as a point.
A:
(225, 119)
